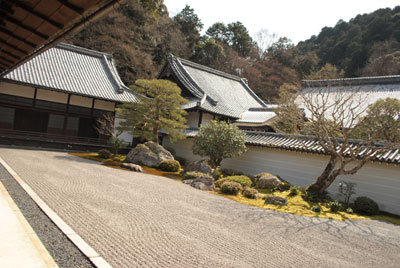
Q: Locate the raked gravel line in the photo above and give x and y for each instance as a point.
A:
(134, 219)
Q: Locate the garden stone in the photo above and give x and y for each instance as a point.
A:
(200, 166)
(276, 200)
(148, 154)
(132, 167)
(204, 183)
(266, 181)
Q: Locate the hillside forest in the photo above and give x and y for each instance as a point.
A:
(140, 34)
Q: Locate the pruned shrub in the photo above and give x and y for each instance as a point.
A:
(226, 172)
(316, 209)
(315, 197)
(230, 187)
(169, 165)
(349, 210)
(181, 160)
(243, 180)
(294, 190)
(365, 205)
(191, 175)
(105, 154)
(250, 193)
(335, 206)
(283, 187)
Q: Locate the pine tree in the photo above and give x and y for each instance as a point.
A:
(158, 108)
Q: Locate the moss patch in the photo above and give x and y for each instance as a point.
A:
(296, 205)
(117, 160)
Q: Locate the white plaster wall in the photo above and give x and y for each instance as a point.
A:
(53, 96)
(378, 181)
(16, 90)
(125, 136)
(81, 101)
(104, 105)
(192, 119)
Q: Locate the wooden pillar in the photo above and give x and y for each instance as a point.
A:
(200, 117)
(66, 115)
(91, 111)
(34, 97)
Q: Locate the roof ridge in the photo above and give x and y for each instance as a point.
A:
(388, 79)
(83, 50)
(207, 69)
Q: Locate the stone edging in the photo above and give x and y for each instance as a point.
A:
(84, 247)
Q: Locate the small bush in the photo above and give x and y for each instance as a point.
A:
(231, 188)
(365, 205)
(294, 190)
(335, 206)
(169, 166)
(283, 187)
(191, 175)
(219, 182)
(349, 210)
(226, 172)
(315, 197)
(250, 193)
(105, 154)
(181, 160)
(316, 209)
(217, 174)
(243, 180)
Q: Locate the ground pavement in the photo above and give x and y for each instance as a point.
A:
(134, 219)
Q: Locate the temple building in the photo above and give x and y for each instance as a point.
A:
(56, 97)
(213, 94)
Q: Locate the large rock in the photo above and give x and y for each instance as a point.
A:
(266, 181)
(202, 166)
(132, 167)
(204, 183)
(148, 154)
(275, 200)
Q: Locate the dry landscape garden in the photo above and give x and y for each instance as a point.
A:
(144, 139)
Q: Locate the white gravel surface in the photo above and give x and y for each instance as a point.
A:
(134, 219)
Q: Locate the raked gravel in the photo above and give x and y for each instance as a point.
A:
(133, 219)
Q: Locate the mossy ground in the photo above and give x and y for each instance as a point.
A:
(117, 160)
(296, 204)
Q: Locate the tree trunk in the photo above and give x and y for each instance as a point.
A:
(155, 134)
(326, 178)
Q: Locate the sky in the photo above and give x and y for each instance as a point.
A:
(295, 19)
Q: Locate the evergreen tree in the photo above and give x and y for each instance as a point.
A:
(219, 140)
(158, 108)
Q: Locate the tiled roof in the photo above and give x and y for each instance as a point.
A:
(380, 80)
(298, 143)
(217, 92)
(75, 70)
(365, 91)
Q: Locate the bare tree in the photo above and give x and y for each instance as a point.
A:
(264, 40)
(334, 113)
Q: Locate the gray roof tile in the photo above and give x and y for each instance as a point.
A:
(224, 94)
(75, 70)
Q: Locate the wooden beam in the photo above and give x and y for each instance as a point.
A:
(71, 6)
(7, 32)
(28, 28)
(31, 11)
(12, 46)
(10, 54)
(7, 60)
